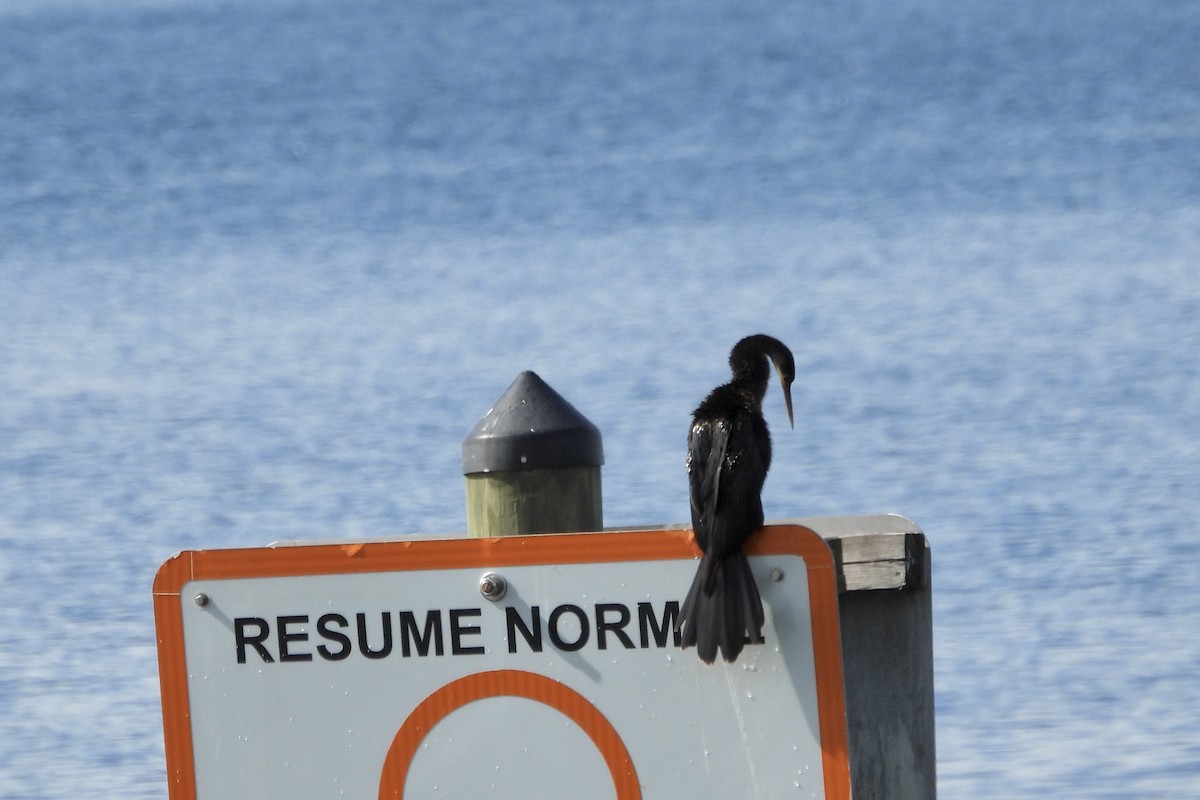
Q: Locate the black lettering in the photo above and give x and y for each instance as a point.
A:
(584, 628)
(457, 631)
(647, 623)
(617, 627)
(364, 646)
(531, 634)
(433, 633)
(335, 642)
(323, 628)
(285, 638)
(241, 638)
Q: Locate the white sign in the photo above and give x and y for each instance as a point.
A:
(382, 670)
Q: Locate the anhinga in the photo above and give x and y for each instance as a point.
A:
(729, 453)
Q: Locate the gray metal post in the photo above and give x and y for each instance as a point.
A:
(532, 465)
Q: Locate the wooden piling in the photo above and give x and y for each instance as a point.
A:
(532, 465)
(886, 615)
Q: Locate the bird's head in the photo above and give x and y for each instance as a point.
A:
(746, 361)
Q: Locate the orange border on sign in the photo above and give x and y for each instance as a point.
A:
(507, 683)
(430, 554)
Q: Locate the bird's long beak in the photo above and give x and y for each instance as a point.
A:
(786, 370)
(787, 399)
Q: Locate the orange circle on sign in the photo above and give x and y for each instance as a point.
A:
(507, 683)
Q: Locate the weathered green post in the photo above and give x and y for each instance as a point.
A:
(532, 465)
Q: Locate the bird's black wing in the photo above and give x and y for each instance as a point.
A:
(707, 443)
(725, 476)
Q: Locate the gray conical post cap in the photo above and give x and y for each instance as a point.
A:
(531, 426)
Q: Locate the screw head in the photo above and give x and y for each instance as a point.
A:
(201, 599)
(493, 586)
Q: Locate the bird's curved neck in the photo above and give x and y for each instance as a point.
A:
(751, 369)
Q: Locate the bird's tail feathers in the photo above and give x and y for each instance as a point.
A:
(722, 610)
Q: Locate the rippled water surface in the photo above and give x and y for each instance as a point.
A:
(263, 265)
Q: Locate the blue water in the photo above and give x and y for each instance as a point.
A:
(264, 264)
